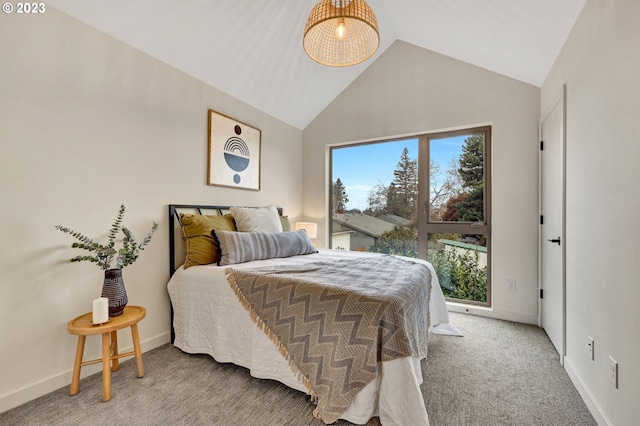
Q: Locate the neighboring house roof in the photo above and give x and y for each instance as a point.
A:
(363, 223)
(395, 219)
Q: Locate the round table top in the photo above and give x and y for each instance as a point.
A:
(82, 325)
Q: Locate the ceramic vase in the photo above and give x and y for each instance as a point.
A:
(113, 289)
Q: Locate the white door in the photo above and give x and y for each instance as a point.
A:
(552, 303)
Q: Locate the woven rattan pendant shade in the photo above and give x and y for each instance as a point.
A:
(361, 38)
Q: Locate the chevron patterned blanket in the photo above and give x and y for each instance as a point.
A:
(335, 320)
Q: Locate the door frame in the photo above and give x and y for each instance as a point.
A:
(562, 99)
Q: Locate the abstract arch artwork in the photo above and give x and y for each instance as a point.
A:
(234, 153)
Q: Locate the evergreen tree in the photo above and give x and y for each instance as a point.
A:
(469, 206)
(340, 198)
(471, 163)
(403, 191)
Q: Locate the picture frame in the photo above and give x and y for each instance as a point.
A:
(233, 154)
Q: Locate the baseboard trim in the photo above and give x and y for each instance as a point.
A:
(586, 395)
(36, 390)
(492, 313)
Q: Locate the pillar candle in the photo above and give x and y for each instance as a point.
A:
(100, 310)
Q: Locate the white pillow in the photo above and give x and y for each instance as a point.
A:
(257, 219)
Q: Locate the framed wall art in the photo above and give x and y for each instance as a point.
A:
(234, 153)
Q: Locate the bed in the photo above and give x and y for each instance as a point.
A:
(214, 312)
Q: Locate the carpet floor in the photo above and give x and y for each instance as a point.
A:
(499, 373)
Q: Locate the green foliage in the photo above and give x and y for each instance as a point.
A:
(104, 253)
(458, 271)
(400, 241)
(459, 274)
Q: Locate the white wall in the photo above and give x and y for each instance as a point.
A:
(87, 123)
(600, 63)
(410, 90)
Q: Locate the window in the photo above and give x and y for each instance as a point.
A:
(425, 197)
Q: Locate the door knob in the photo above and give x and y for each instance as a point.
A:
(555, 240)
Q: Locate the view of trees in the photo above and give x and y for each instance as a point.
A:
(468, 204)
(443, 188)
(340, 198)
(402, 195)
(455, 195)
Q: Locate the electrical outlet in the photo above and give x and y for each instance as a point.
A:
(511, 286)
(613, 371)
(591, 348)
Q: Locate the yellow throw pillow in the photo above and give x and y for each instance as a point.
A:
(198, 242)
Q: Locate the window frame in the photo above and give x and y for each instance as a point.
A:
(425, 226)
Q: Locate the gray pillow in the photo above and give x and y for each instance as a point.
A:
(240, 247)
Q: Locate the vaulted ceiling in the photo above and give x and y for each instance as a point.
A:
(252, 49)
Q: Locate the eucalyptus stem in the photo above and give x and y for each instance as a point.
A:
(103, 254)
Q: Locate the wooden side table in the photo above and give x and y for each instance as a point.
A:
(83, 327)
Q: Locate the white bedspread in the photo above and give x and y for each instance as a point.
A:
(209, 319)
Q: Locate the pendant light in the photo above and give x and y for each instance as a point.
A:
(340, 33)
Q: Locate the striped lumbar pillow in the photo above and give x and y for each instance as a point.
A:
(240, 247)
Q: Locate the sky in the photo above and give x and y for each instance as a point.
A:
(362, 167)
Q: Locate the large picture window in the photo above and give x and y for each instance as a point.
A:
(426, 196)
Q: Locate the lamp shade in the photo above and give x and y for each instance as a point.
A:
(340, 33)
(310, 228)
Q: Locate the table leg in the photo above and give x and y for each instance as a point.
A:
(106, 367)
(136, 348)
(77, 365)
(115, 363)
